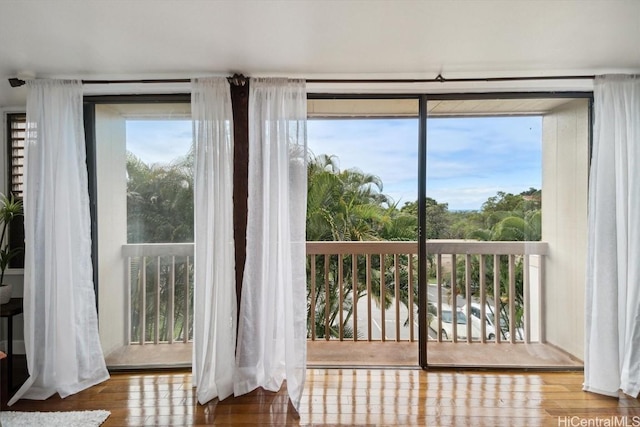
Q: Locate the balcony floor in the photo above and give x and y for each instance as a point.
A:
(380, 354)
(475, 355)
(151, 356)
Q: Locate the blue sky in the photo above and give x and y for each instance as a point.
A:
(468, 159)
(159, 141)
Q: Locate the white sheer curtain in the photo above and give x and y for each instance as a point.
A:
(60, 319)
(215, 303)
(612, 352)
(272, 331)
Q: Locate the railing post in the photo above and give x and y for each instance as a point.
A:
(142, 285)
(186, 323)
(439, 292)
(467, 295)
(157, 303)
(327, 299)
(542, 283)
(354, 294)
(368, 274)
(383, 300)
(172, 298)
(512, 298)
(312, 308)
(526, 289)
(128, 301)
(341, 296)
(410, 289)
(454, 298)
(497, 313)
(396, 263)
(483, 300)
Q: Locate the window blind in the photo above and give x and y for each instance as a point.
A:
(16, 126)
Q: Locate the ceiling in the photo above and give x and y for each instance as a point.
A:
(315, 39)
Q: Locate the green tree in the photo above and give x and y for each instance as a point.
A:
(509, 217)
(349, 205)
(438, 218)
(343, 205)
(160, 210)
(463, 223)
(438, 226)
(506, 217)
(159, 201)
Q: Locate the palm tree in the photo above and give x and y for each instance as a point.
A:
(342, 205)
(523, 223)
(349, 205)
(160, 210)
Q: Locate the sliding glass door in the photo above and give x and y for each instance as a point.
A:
(496, 187)
(504, 176)
(144, 183)
(362, 231)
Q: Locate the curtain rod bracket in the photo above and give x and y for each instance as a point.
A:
(237, 80)
(15, 82)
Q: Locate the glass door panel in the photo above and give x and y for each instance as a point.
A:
(489, 237)
(144, 161)
(362, 232)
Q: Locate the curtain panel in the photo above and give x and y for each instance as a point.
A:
(272, 329)
(612, 348)
(63, 349)
(215, 303)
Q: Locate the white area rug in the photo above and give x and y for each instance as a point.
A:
(53, 419)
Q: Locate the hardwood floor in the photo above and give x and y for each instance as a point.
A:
(358, 397)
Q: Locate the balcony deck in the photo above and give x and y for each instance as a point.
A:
(354, 277)
(445, 354)
(369, 353)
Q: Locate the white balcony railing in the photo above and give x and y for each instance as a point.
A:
(365, 291)
(159, 292)
(497, 277)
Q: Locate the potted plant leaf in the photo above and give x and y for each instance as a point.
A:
(10, 209)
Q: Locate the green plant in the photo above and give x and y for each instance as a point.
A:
(10, 209)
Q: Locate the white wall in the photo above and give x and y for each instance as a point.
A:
(112, 230)
(565, 158)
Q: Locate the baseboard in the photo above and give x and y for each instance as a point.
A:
(18, 346)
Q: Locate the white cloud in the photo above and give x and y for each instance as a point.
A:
(159, 141)
(386, 148)
(468, 159)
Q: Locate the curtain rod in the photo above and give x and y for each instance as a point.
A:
(440, 79)
(240, 80)
(236, 80)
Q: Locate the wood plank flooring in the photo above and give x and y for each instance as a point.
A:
(359, 397)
